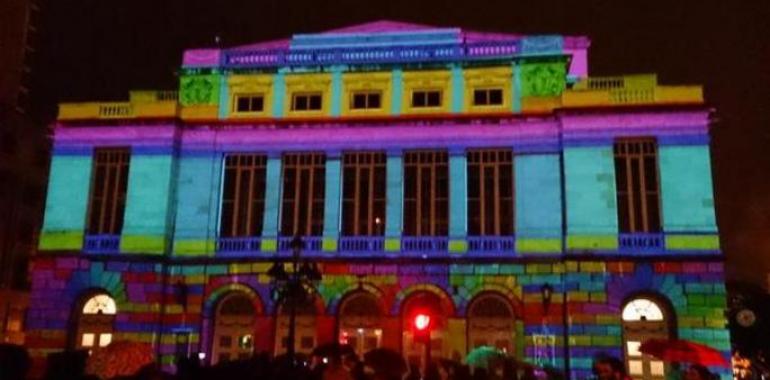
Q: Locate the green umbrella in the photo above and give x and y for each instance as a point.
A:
(482, 356)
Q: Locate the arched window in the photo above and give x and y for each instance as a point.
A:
(643, 319)
(305, 327)
(95, 321)
(491, 322)
(360, 322)
(233, 328)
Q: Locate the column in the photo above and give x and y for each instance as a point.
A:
(458, 89)
(279, 94)
(332, 201)
(396, 94)
(516, 88)
(337, 95)
(394, 200)
(272, 212)
(458, 201)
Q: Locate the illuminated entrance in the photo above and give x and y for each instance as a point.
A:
(643, 319)
(233, 328)
(95, 322)
(429, 304)
(360, 322)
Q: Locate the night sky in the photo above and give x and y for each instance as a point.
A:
(98, 50)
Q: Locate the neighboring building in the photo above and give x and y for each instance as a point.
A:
(482, 178)
(23, 160)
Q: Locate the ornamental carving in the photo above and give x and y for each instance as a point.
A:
(543, 79)
(199, 90)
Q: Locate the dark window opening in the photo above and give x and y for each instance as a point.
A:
(636, 181)
(243, 195)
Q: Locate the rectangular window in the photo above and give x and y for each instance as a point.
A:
(636, 176)
(428, 98)
(426, 193)
(243, 195)
(306, 102)
(488, 97)
(490, 192)
(363, 194)
(365, 100)
(249, 103)
(303, 194)
(109, 183)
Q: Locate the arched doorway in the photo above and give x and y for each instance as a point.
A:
(426, 303)
(491, 322)
(233, 328)
(360, 322)
(95, 321)
(305, 327)
(643, 318)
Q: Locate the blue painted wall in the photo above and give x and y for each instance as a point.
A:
(145, 224)
(686, 189)
(538, 196)
(592, 221)
(197, 209)
(66, 205)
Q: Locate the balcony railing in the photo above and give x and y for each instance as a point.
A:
(425, 244)
(239, 245)
(628, 90)
(312, 244)
(361, 244)
(101, 244)
(492, 244)
(641, 242)
(142, 104)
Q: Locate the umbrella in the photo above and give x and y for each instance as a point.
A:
(385, 361)
(481, 356)
(683, 351)
(119, 359)
(333, 349)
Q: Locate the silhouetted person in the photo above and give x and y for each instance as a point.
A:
(14, 362)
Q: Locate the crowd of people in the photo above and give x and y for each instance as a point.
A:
(14, 365)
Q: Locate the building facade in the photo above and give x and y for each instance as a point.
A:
(482, 178)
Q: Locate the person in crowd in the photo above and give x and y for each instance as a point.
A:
(698, 372)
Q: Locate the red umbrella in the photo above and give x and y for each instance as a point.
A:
(683, 351)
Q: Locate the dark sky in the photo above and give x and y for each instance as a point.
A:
(98, 50)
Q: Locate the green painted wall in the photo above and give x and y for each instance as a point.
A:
(592, 221)
(686, 189)
(66, 202)
(146, 220)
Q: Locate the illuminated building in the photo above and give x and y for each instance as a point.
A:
(480, 178)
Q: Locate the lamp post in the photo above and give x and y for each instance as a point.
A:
(293, 288)
(546, 291)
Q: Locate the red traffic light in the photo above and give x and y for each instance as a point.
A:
(422, 322)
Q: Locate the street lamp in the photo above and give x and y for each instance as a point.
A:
(547, 292)
(293, 288)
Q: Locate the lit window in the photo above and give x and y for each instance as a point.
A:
(105, 339)
(488, 97)
(306, 102)
(249, 103)
(100, 304)
(87, 340)
(642, 309)
(431, 98)
(365, 100)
